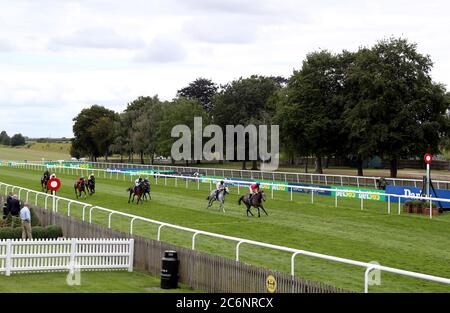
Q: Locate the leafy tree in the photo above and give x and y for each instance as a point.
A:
(393, 108)
(246, 101)
(202, 90)
(314, 105)
(4, 139)
(17, 140)
(93, 131)
(179, 112)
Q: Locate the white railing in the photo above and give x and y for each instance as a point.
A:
(19, 256)
(338, 193)
(313, 178)
(240, 241)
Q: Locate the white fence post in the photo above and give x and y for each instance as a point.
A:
(131, 258)
(8, 257)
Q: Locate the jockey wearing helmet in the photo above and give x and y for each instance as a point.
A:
(254, 189)
(92, 177)
(53, 176)
(219, 187)
(138, 181)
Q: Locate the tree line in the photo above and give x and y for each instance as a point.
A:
(14, 141)
(376, 101)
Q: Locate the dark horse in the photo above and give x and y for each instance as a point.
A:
(44, 180)
(256, 202)
(138, 191)
(80, 186)
(147, 190)
(91, 186)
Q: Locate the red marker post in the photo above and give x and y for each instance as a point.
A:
(428, 159)
(54, 184)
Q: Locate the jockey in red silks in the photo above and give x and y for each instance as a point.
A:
(254, 189)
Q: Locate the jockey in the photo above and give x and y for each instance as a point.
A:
(254, 189)
(219, 187)
(46, 173)
(53, 176)
(92, 178)
(138, 181)
(80, 181)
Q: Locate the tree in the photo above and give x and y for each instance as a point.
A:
(4, 139)
(314, 106)
(393, 108)
(179, 112)
(246, 101)
(202, 90)
(93, 131)
(17, 140)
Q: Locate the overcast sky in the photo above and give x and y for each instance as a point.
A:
(58, 57)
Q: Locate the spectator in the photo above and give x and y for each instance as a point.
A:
(14, 207)
(25, 216)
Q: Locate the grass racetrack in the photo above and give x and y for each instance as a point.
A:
(409, 242)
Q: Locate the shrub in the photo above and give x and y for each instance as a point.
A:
(38, 232)
(10, 233)
(54, 231)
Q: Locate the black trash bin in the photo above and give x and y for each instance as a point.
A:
(169, 270)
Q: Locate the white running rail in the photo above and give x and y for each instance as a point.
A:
(21, 256)
(240, 241)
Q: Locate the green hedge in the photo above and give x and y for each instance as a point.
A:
(38, 232)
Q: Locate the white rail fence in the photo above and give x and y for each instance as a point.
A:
(338, 193)
(240, 241)
(312, 178)
(21, 256)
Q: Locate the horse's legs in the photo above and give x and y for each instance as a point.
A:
(129, 197)
(264, 210)
(248, 209)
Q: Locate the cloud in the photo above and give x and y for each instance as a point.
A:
(6, 45)
(222, 30)
(162, 50)
(97, 38)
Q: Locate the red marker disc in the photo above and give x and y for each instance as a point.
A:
(54, 184)
(428, 158)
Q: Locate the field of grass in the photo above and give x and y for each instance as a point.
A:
(90, 282)
(36, 151)
(409, 242)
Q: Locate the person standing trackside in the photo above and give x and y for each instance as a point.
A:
(25, 216)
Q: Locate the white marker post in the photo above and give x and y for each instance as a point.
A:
(428, 158)
(54, 184)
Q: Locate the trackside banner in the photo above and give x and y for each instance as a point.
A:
(347, 192)
(68, 164)
(414, 191)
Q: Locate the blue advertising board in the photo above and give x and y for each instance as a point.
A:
(320, 192)
(414, 191)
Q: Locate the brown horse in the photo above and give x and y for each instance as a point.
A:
(80, 186)
(256, 201)
(138, 191)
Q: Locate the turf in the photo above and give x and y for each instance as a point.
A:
(36, 151)
(103, 282)
(409, 242)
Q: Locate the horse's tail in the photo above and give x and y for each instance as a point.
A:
(129, 189)
(240, 199)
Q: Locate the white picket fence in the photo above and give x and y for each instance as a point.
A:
(23, 256)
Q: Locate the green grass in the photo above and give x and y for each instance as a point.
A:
(36, 151)
(409, 242)
(90, 282)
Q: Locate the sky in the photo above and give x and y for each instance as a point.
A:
(59, 56)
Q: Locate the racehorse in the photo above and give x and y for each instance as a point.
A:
(44, 181)
(256, 202)
(91, 187)
(147, 190)
(80, 186)
(217, 196)
(137, 191)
